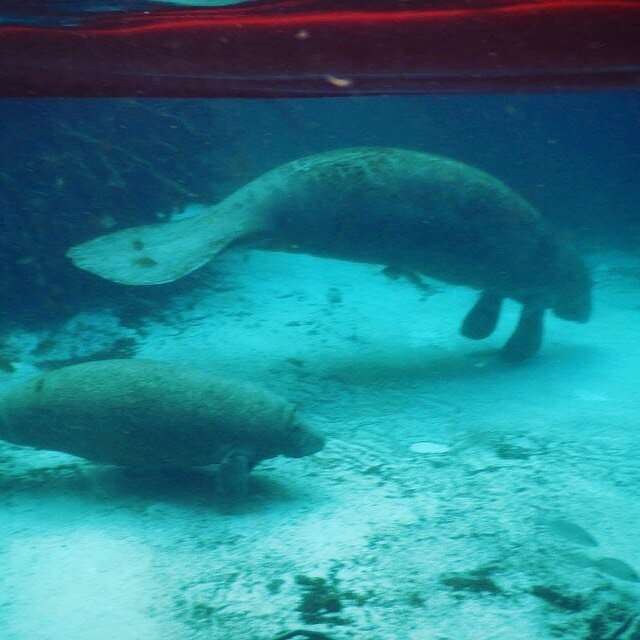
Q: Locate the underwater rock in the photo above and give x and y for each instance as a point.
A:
(419, 213)
(612, 622)
(556, 598)
(146, 414)
(475, 581)
(302, 633)
(121, 348)
(320, 602)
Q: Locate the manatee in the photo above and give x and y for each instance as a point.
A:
(145, 414)
(412, 211)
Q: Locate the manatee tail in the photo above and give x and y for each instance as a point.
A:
(159, 253)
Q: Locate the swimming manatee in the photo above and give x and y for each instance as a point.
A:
(411, 211)
(145, 414)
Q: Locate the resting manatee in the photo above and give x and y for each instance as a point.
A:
(416, 212)
(149, 414)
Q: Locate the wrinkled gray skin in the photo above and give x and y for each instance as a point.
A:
(412, 211)
(436, 217)
(139, 413)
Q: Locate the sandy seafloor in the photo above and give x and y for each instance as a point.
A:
(408, 545)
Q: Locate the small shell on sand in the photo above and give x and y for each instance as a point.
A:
(430, 447)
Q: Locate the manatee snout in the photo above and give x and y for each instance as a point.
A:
(302, 442)
(574, 308)
(308, 444)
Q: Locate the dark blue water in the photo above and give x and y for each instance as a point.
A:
(71, 167)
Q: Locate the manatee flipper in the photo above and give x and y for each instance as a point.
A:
(394, 273)
(481, 321)
(233, 473)
(159, 253)
(391, 272)
(527, 338)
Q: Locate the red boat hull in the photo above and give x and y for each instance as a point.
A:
(297, 49)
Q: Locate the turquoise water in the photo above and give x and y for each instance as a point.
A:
(456, 496)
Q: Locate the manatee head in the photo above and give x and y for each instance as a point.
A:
(572, 290)
(299, 441)
(283, 432)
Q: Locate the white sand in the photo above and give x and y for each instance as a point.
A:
(91, 553)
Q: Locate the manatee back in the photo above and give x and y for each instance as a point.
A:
(142, 413)
(431, 214)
